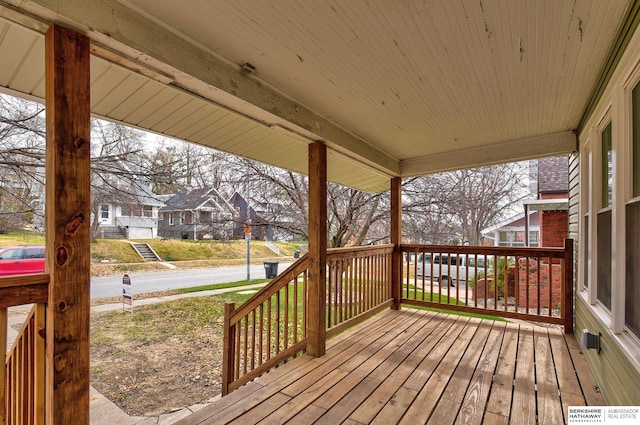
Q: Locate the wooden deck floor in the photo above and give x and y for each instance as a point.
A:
(415, 367)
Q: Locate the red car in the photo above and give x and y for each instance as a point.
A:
(21, 259)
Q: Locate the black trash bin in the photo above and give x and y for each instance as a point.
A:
(296, 254)
(271, 269)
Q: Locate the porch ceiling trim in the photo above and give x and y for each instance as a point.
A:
(512, 150)
(194, 68)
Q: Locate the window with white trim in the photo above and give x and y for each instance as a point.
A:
(604, 218)
(632, 224)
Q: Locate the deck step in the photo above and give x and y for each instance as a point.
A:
(146, 252)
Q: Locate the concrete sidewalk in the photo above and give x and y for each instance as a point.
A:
(102, 410)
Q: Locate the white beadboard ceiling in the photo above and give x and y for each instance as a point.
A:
(394, 88)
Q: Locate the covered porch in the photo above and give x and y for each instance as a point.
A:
(379, 97)
(414, 366)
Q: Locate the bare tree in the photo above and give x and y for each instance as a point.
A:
(352, 214)
(454, 207)
(354, 217)
(22, 149)
(119, 164)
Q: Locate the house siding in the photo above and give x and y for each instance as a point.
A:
(616, 376)
(574, 200)
(617, 366)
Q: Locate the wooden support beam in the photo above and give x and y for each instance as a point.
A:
(68, 177)
(317, 324)
(396, 240)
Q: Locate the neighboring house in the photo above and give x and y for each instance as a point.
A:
(19, 196)
(133, 217)
(548, 220)
(260, 228)
(197, 214)
(552, 199)
(511, 232)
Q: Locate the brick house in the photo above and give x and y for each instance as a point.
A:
(545, 221)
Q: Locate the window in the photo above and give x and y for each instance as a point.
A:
(632, 225)
(585, 259)
(104, 212)
(35, 253)
(147, 211)
(635, 105)
(11, 254)
(479, 263)
(205, 216)
(534, 238)
(181, 217)
(607, 166)
(632, 272)
(170, 219)
(604, 220)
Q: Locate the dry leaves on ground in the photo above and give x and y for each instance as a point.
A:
(159, 358)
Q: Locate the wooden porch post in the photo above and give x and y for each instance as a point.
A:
(316, 326)
(396, 240)
(68, 179)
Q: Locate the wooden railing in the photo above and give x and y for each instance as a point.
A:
(267, 329)
(22, 378)
(357, 284)
(523, 283)
(271, 327)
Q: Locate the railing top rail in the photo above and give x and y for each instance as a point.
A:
(365, 250)
(24, 289)
(486, 250)
(272, 287)
(24, 280)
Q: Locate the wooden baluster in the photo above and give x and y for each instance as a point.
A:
(295, 310)
(286, 317)
(269, 327)
(261, 335)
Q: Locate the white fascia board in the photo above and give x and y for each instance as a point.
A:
(499, 153)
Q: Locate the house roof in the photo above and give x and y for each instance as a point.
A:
(514, 222)
(553, 174)
(392, 88)
(197, 199)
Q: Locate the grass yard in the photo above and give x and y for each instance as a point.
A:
(161, 356)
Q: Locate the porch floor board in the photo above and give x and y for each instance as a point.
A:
(417, 367)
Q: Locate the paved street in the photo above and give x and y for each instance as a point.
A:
(111, 286)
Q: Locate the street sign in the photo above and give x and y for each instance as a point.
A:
(127, 294)
(247, 227)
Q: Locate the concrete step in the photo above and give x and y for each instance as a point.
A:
(145, 251)
(110, 232)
